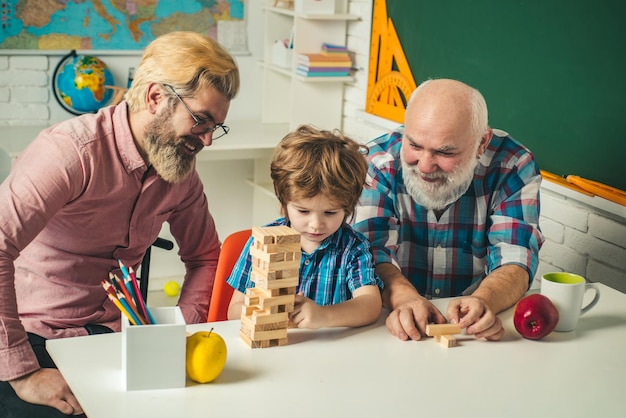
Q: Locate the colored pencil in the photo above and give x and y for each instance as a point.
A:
(121, 287)
(144, 307)
(124, 303)
(121, 308)
(131, 283)
(111, 291)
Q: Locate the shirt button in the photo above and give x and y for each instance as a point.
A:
(437, 291)
(307, 262)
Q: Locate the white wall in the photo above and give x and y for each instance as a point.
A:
(583, 235)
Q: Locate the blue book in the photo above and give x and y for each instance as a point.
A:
(323, 73)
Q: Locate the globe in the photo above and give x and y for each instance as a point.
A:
(79, 83)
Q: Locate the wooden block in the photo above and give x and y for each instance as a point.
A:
(276, 274)
(261, 235)
(269, 335)
(274, 257)
(260, 317)
(268, 293)
(286, 234)
(258, 297)
(264, 283)
(250, 323)
(248, 310)
(264, 343)
(447, 340)
(286, 247)
(442, 329)
(275, 235)
(276, 265)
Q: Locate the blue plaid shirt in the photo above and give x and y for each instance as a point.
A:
(494, 223)
(329, 275)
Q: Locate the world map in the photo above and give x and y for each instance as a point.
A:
(107, 24)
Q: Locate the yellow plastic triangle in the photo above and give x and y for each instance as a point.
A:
(390, 81)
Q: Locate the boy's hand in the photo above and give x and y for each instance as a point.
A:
(306, 313)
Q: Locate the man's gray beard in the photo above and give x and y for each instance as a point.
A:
(163, 150)
(440, 194)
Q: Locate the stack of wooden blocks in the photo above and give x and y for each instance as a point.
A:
(275, 254)
(443, 333)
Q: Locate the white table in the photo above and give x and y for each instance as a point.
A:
(367, 372)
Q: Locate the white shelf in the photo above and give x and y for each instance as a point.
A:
(291, 98)
(311, 16)
(247, 139)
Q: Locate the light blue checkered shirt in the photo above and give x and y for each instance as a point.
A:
(330, 274)
(494, 223)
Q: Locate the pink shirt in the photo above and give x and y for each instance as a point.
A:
(79, 198)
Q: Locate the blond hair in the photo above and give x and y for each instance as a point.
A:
(309, 162)
(188, 61)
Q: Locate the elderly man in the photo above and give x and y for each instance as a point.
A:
(452, 209)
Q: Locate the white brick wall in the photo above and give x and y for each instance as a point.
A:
(581, 235)
(24, 90)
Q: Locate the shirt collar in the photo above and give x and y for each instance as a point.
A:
(126, 146)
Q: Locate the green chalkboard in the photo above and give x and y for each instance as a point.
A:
(553, 72)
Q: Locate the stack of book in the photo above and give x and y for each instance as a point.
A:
(331, 61)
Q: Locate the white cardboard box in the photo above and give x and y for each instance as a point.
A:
(153, 356)
(315, 6)
(282, 55)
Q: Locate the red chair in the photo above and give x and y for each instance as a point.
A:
(222, 292)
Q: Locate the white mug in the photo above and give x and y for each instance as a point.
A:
(566, 291)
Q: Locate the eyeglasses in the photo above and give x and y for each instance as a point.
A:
(202, 126)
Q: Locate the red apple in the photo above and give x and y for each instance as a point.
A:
(535, 316)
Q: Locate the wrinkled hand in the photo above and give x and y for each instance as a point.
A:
(306, 313)
(476, 318)
(409, 318)
(47, 387)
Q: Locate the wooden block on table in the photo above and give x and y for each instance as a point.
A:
(264, 343)
(266, 335)
(442, 329)
(447, 340)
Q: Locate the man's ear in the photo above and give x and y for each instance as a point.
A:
(484, 141)
(154, 96)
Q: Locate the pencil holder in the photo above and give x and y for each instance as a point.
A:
(153, 356)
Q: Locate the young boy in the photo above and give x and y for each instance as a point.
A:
(318, 178)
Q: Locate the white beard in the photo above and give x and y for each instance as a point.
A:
(447, 189)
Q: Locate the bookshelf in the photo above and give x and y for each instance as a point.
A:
(290, 98)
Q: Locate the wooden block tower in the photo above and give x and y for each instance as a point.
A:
(275, 253)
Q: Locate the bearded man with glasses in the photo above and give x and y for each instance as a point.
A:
(96, 189)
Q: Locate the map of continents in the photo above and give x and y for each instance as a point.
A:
(107, 24)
